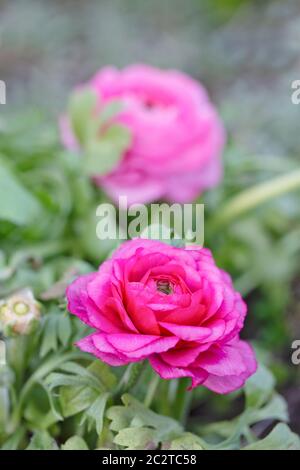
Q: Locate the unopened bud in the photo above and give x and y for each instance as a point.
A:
(19, 314)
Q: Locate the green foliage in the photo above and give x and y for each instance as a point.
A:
(57, 330)
(102, 142)
(17, 204)
(281, 438)
(137, 427)
(42, 441)
(75, 443)
(262, 403)
(51, 393)
(103, 155)
(81, 108)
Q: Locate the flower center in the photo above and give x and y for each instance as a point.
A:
(148, 104)
(20, 308)
(164, 286)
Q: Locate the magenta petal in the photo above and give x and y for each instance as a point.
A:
(96, 344)
(222, 361)
(198, 378)
(139, 346)
(77, 297)
(217, 329)
(131, 342)
(86, 344)
(101, 344)
(184, 356)
(248, 355)
(187, 333)
(113, 360)
(229, 383)
(224, 385)
(80, 304)
(117, 307)
(165, 371)
(99, 288)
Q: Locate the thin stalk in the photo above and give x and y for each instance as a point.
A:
(255, 196)
(130, 378)
(182, 402)
(151, 390)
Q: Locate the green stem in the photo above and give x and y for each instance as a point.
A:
(251, 438)
(164, 404)
(182, 402)
(130, 378)
(17, 352)
(255, 196)
(151, 390)
(45, 369)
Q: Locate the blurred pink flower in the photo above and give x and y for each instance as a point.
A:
(173, 306)
(177, 135)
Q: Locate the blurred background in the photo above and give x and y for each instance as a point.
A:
(247, 53)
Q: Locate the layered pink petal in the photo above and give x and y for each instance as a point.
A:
(177, 135)
(171, 305)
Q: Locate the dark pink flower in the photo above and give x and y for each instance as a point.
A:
(177, 135)
(170, 305)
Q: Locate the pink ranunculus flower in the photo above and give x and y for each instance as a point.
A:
(177, 135)
(172, 306)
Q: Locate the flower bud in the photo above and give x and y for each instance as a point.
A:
(19, 313)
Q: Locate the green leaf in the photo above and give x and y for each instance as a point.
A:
(52, 402)
(40, 419)
(281, 438)
(49, 341)
(144, 438)
(94, 248)
(109, 111)
(14, 441)
(136, 416)
(87, 373)
(82, 104)
(83, 389)
(73, 400)
(17, 204)
(96, 411)
(104, 373)
(4, 402)
(103, 153)
(54, 362)
(64, 329)
(253, 197)
(275, 409)
(75, 443)
(262, 403)
(259, 387)
(41, 440)
(57, 379)
(187, 441)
